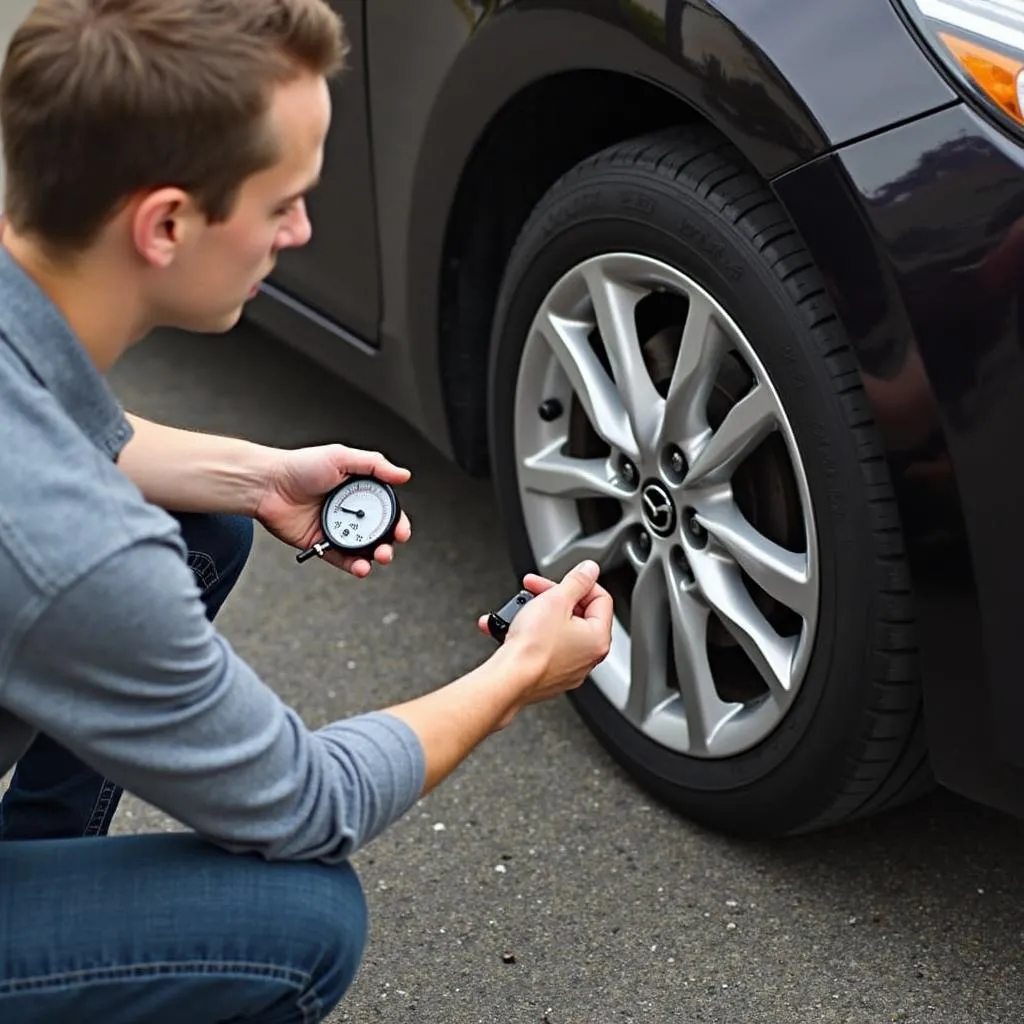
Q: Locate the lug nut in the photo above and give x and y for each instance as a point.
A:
(682, 565)
(550, 410)
(629, 472)
(677, 461)
(644, 543)
(697, 532)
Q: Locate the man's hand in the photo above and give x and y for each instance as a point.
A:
(563, 634)
(554, 643)
(299, 482)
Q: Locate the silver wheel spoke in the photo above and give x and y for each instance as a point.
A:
(700, 352)
(782, 574)
(587, 350)
(705, 711)
(607, 548)
(723, 588)
(560, 476)
(596, 391)
(648, 632)
(747, 424)
(614, 309)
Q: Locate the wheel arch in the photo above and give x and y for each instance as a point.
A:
(569, 85)
(538, 79)
(495, 198)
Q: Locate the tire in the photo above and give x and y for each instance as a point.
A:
(850, 741)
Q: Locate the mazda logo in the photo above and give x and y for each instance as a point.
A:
(658, 509)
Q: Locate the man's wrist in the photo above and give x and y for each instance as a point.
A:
(518, 672)
(263, 466)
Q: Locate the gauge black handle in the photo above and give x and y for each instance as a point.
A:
(498, 622)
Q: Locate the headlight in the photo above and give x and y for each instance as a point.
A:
(982, 42)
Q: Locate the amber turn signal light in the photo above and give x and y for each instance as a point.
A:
(998, 76)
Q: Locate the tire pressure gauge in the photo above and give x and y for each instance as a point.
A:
(356, 519)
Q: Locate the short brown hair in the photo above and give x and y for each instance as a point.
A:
(103, 99)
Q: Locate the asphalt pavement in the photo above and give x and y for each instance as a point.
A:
(539, 884)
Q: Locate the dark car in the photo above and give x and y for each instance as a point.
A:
(725, 294)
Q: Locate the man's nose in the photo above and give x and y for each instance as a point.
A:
(298, 230)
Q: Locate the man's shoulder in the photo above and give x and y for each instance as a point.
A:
(64, 505)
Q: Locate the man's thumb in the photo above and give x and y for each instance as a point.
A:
(580, 581)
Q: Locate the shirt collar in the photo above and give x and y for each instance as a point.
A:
(33, 326)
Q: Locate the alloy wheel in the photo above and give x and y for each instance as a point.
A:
(650, 438)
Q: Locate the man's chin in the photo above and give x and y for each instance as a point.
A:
(230, 322)
(211, 325)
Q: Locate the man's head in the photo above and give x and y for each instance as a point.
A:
(171, 139)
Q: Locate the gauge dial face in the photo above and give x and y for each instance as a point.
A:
(360, 514)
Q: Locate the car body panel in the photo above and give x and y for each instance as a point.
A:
(338, 272)
(828, 54)
(440, 72)
(920, 233)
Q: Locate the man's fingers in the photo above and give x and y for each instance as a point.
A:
(579, 582)
(596, 592)
(404, 530)
(358, 567)
(600, 608)
(540, 584)
(364, 463)
(537, 584)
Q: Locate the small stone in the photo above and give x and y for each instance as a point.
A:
(390, 619)
(439, 826)
(508, 958)
(500, 868)
(731, 926)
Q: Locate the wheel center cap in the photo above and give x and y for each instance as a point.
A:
(659, 509)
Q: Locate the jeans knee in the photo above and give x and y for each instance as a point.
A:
(341, 926)
(229, 542)
(218, 550)
(350, 942)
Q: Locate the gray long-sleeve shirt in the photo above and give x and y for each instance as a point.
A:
(106, 648)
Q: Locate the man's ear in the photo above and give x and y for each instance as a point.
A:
(162, 222)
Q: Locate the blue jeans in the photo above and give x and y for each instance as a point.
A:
(161, 927)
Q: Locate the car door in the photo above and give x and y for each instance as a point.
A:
(337, 273)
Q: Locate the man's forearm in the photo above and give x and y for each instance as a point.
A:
(452, 721)
(186, 471)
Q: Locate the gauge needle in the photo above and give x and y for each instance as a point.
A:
(357, 512)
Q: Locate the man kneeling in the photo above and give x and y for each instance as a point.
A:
(158, 154)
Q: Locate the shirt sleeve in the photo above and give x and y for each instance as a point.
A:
(125, 670)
